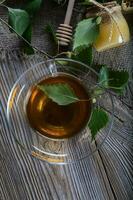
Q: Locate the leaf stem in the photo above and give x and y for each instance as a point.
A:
(60, 54)
(1, 3)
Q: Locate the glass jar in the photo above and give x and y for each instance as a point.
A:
(114, 30)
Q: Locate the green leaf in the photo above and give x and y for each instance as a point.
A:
(85, 55)
(86, 32)
(104, 76)
(27, 49)
(99, 120)
(18, 19)
(33, 6)
(50, 30)
(111, 79)
(97, 92)
(86, 3)
(98, 20)
(60, 93)
(118, 80)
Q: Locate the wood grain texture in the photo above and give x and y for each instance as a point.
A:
(105, 176)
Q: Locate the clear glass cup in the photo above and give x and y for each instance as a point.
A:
(56, 151)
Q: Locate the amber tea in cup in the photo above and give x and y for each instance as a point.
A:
(55, 121)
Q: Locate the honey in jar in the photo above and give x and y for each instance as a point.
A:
(114, 31)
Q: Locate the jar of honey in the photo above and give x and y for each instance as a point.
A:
(114, 30)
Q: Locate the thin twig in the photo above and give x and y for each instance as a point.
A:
(35, 48)
(60, 54)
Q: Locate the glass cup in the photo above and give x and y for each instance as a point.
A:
(56, 151)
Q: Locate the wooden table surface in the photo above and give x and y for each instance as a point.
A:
(107, 175)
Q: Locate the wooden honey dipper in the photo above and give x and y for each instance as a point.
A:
(64, 31)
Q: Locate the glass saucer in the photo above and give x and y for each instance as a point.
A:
(56, 151)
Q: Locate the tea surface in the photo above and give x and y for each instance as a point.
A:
(53, 120)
